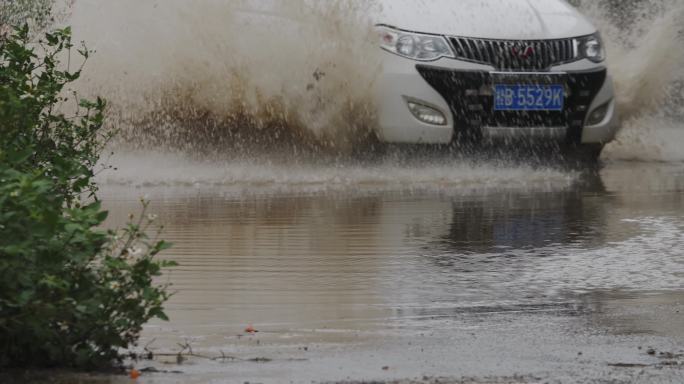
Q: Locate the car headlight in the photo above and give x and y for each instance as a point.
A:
(416, 46)
(591, 47)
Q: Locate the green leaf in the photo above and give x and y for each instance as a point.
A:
(69, 295)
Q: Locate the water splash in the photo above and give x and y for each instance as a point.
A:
(646, 59)
(212, 75)
(188, 74)
(645, 51)
(272, 176)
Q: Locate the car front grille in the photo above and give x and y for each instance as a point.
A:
(471, 99)
(516, 55)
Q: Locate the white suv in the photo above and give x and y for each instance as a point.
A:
(491, 70)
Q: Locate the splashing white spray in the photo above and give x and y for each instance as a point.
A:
(181, 71)
(247, 64)
(646, 58)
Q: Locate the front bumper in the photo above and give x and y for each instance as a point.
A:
(463, 92)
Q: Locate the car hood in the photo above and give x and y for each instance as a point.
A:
(489, 19)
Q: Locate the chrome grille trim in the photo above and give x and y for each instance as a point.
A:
(507, 55)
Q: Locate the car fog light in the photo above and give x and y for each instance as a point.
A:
(598, 114)
(427, 114)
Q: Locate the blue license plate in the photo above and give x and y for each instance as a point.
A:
(529, 97)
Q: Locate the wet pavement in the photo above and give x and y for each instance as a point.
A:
(572, 277)
(400, 271)
(559, 277)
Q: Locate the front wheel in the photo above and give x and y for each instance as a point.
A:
(583, 153)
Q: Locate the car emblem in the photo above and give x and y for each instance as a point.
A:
(522, 52)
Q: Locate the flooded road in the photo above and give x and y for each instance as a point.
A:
(539, 272)
(402, 269)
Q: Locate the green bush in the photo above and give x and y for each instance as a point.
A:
(71, 294)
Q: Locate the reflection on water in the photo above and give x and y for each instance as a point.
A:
(326, 266)
(529, 219)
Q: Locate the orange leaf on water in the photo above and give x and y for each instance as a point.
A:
(134, 374)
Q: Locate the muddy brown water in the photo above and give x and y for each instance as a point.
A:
(356, 272)
(360, 271)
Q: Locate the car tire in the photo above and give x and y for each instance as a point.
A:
(584, 153)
